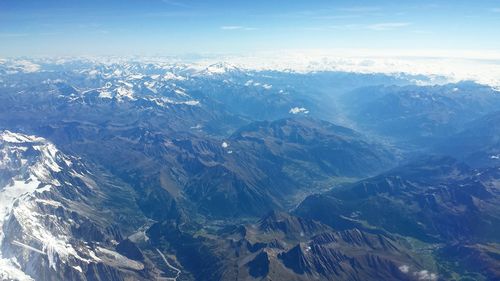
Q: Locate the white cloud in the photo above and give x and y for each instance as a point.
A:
(482, 66)
(387, 26)
(297, 110)
(25, 66)
(404, 268)
(237, 27)
(383, 26)
(425, 275)
(231, 27)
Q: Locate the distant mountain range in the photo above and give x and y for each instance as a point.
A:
(170, 171)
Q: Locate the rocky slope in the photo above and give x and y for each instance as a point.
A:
(440, 201)
(281, 246)
(60, 220)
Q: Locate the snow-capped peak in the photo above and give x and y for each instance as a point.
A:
(9, 137)
(35, 155)
(219, 68)
(44, 201)
(29, 165)
(172, 76)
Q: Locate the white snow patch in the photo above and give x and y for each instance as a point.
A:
(219, 68)
(136, 76)
(117, 73)
(78, 268)
(181, 92)
(93, 72)
(197, 127)
(13, 192)
(8, 136)
(48, 202)
(123, 92)
(164, 101)
(49, 156)
(93, 256)
(151, 86)
(9, 195)
(9, 270)
(172, 76)
(105, 95)
(191, 102)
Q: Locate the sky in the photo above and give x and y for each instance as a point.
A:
(187, 27)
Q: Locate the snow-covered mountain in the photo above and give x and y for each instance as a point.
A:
(52, 223)
(435, 68)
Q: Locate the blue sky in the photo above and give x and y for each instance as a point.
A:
(173, 27)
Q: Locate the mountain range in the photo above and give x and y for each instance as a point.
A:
(132, 170)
